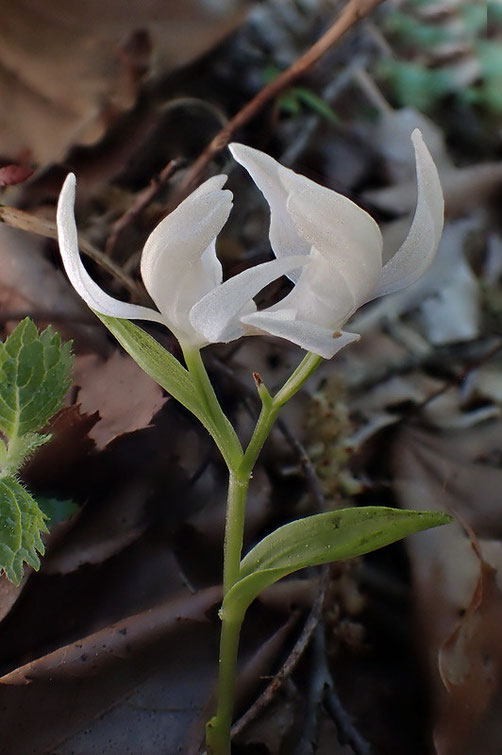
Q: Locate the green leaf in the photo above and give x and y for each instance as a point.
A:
(165, 369)
(34, 378)
(321, 539)
(317, 104)
(154, 359)
(414, 85)
(21, 522)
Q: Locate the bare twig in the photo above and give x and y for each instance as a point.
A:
(347, 732)
(304, 459)
(322, 693)
(290, 663)
(142, 200)
(42, 227)
(353, 12)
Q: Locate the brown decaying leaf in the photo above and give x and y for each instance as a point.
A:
(104, 533)
(470, 662)
(464, 189)
(111, 53)
(9, 593)
(23, 269)
(69, 445)
(65, 690)
(457, 598)
(117, 641)
(124, 395)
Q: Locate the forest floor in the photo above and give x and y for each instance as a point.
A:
(112, 646)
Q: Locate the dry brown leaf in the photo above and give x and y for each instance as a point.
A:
(67, 70)
(464, 189)
(9, 593)
(124, 395)
(23, 269)
(66, 690)
(447, 476)
(106, 532)
(391, 137)
(470, 662)
(69, 445)
(458, 602)
(117, 641)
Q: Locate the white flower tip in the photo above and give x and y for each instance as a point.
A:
(67, 193)
(213, 184)
(418, 250)
(248, 156)
(416, 136)
(236, 148)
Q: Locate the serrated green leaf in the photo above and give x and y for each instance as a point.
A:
(34, 377)
(321, 539)
(21, 522)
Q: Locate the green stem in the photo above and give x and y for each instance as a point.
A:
(218, 728)
(218, 740)
(271, 407)
(234, 529)
(221, 429)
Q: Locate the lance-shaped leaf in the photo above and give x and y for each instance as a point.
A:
(165, 369)
(321, 539)
(21, 522)
(34, 377)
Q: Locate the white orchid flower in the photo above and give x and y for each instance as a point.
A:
(329, 247)
(178, 266)
(344, 246)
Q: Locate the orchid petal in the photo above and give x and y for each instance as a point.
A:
(179, 263)
(305, 334)
(80, 279)
(342, 232)
(419, 247)
(215, 315)
(264, 171)
(321, 295)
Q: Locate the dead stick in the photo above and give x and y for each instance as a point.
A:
(42, 227)
(142, 200)
(354, 11)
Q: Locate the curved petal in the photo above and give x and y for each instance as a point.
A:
(341, 231)
(80, 279)
(420, 246)
(182, 248)
(217, 314)
(307, 335)
(321, 295)
(264, 171)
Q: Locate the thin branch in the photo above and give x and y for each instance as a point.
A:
(353, 12)
(322, 693)
(290, 663)
(308, 468)
(142, 201)
(347, 732)
(42, 227)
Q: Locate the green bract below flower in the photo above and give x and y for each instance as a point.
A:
(328, 246)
